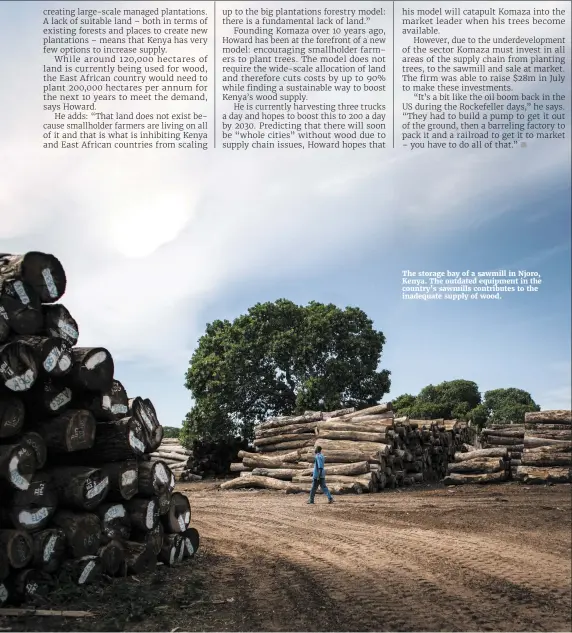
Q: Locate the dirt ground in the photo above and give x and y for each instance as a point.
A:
(426, 559)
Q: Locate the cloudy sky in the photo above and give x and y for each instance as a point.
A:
(158, 243)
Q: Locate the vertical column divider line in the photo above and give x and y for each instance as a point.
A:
(214, 73)
(393, 70)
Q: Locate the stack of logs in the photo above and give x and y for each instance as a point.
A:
(365, 451)
(479, 466)
(178, 458)
(547, 456)
(79, 495)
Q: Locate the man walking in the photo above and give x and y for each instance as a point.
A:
(319, 477)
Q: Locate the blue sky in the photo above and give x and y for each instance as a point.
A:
(156, 244)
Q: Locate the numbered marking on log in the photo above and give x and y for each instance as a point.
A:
(21, 383)
(115, 512)
(61, 399)
(150, 518)
(135, 443)
(31, 588)
(67, 331)
(161, 473)
(20, 291)
(181, 521)
(52, 359)
(86, 572)
(146, 419)
(33, 518)
(3, 593)
(65, 361)
(119, 408)
(3, 313)
(189, 546)
(93, 361)
(128, 477)
(39, 490)
(50, 548)
(97, 488)
(50, 284)
(15, 477)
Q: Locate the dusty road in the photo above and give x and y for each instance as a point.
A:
(462, 559)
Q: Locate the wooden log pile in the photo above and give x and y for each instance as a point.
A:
(508, 436)
(173, 453)
(479, 466)
(547, 454)
(79, 494)
(365, 451)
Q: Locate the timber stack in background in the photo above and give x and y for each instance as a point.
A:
(366, 451)
(547, 454)
(79, 494)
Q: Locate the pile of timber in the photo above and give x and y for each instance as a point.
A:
(365, 451)
(547, 455)
(508, 436)
(479, 466)
(79, 495)
(173, 453)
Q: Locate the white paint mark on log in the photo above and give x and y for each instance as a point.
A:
(61, 399)
(128, 477)
(146, 419)
(161, 473)
(98, 488)
(4, 314)
(21, 383)
(106, 403)
(21, 292)
(189, 546)
(119, 408)
(50, 284)
(17, 480)
(115, 512)
(93, 361)
(86, 572)
(68, 330)
(135, 443)
(172, 555)
(181, 521)
(25, 517)
(149, 520)
(51, 359)
(65, 361)
(49, 548)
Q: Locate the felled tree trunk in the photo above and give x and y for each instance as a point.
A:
(507, 432)
(533, 442)
(20, 308)
(42, 271)
(173, 549)
(559, 448)
(488, 478)
(286, 456)
(346, 445)
(263, 442)
(144, 411)
(252, 481)
(18, 367)
(144, 513)
(36, 443)
(123, 480)
(538, 475)
(112, 557)
(482, 453)
(117, 441)
(17, 546)
(177, 519)
(277, 473)
(11, 415)
(73, 430)
(49, 549)
(291, 444)
(115, 521)
(17, 465)
(192, 542)
(476, 466)
(109, 405)
(82, 530)
(92, 369)
(543, 459)
(498, 440)
(32, 584)
(356, 436)
(152, 538)
(289, 420)
(238, 468)
(292, 429)
(47, 398)
(84, 571)
(350, 426)
(345, 456)
(79, 487)
(357, 468)
(52, 355)
(139, 557)
(59, 322)
(154, 479)
(32, 509)
(557, 416)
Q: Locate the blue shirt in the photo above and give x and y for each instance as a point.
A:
(319, 463)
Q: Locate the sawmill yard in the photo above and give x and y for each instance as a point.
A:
(429, 558)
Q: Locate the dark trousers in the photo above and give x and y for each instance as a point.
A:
(322, 484)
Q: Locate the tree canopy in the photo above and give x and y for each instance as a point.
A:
(280, 359)
(171, 431)
(461, 399)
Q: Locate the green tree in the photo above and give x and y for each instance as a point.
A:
(281, 358)
(448, 400)
(508, 406)
(171, 431)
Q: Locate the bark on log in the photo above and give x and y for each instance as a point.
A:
(173, 549)
(533, 442)
(59, 322)
(108, 405)
(154, 479)
(144, 411)
(293, 429)
(30, 584)
(18, 367)
(476, 466)
(82, 530)
(151, 538)
(92, 369)
(117, 441)
(533, 475)
(503, 441)
(347, 445)
(559, 448)
(542, 459)
(356, 436)
(4, 567)
(551, 435)
(35, 442)
(357, 468)
(174, 457)
(556, 416)
(32, 509)
(79, 487)
(479, 454)
(290, 456)
(287, 445)
(251, 463)
(350, 425)
(277, 473)
(115, 521)
(51, 354)
(173, 449)
(192, 542)
(238, 468)
(273, 423)
(177, 519)
(253, 481)
(47, 398)
(456, 479)
(17, 546)
(73, 430)
(139, 557)
(17, 465)
(123, 480)
(345, 456)
(112, 557)
(265, 442)
(370, 411)
(144, 513)
(49, 547)
(519, 433)
(83, 571)
(11, 415)
(20, 307)
(42, 271)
